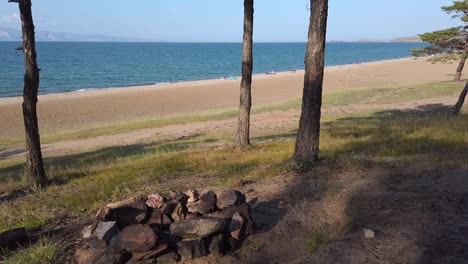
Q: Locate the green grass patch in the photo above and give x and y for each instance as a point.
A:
(43, 252)
(317, 239)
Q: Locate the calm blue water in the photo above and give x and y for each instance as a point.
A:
(75, 66)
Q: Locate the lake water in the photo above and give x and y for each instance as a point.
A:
(67, 66)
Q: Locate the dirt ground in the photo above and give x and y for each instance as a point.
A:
(418, 216)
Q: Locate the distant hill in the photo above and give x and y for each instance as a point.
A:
(9, 34)
(403, 39)
(407, 39)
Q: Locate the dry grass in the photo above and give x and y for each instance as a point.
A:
(83, 182)
(45, 251)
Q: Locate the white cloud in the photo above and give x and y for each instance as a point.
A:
(11, 19)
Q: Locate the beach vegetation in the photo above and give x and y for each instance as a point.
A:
(449, 44)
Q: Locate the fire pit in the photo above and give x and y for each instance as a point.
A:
(167, 228)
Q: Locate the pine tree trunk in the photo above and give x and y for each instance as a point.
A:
(243, 126)
(461, 100)
(34, 163)
(307, 143)
(461, 65)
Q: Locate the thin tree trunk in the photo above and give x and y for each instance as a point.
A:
(307, 143)
(35, 167)
(243, 126)
(461, 100)
(461, 65)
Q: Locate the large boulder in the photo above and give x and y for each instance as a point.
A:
(135, 238)
(198, 227)
(230, 198)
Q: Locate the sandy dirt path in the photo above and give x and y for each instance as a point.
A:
(260, 123)
(59, 113)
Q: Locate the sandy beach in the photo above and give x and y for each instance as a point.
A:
(63, 112)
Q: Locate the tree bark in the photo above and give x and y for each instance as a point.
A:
(461, 100)
(308, 137)
(243, 125)
(34, 163)
(461, 65)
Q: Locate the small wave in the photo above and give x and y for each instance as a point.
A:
(84, 90)
(162, 83)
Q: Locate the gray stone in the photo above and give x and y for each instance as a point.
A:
(128, 212)
(87, 231)
(192, 196)
(169, 258)
(204, 205)
(159, 219)
(135, 238)
(236, 226)
(179, 212)
(230, 198)
(192, 248)
(244, 211)
(178, 197)
(368, 233)
(105, 231)
(114, 259)
(155, 201)
(88, 255)
(217, 247)
(198, 227)
(149, 254)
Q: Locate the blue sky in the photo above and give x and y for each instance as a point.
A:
(221, 20)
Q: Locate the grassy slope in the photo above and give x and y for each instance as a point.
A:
(86, 181)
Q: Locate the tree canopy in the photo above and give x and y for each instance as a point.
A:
(448, 44)
(460, 8)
